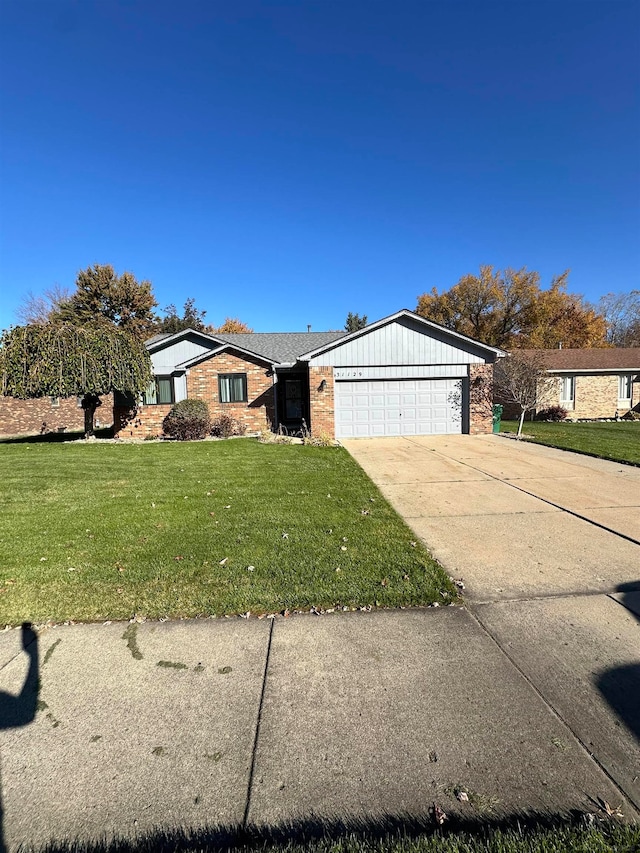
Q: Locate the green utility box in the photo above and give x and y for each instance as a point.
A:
(497, 417)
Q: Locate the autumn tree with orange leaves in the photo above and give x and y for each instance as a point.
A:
(230, 326)
(509, 309)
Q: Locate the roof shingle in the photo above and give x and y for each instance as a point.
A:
(584, 360)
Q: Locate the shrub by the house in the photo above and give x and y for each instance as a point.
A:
(225, 426)
(188, 420)
(552, 413)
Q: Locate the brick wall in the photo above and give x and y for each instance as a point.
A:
(140, 423)
(322, 401)
(31, 417)
(480, 399)
(256, 414)
(595, 397)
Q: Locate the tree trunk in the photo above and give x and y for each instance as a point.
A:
(522, 413)
(90, 403)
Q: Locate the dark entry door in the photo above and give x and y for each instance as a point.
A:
(293, 400)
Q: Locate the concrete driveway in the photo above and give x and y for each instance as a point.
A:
(548, 546)
(516, 520)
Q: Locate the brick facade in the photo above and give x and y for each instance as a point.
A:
(480, 399)
(33, 417)
(322, 401)
(256, 414)
(596, 397)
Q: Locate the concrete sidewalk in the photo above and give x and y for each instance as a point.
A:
(195, 723)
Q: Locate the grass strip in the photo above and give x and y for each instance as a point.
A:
(607, 837)
(618, 441)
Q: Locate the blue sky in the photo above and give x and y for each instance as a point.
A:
(288, 162)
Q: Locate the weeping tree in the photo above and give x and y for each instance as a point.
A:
(52, 360)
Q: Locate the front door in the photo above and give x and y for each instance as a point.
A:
(293, 399)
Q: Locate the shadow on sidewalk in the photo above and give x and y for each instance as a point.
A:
(621, 686)
(20, 710)
(369, 831)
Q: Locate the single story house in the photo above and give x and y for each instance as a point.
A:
(592, 384)
(402, 375)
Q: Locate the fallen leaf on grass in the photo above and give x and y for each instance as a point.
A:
(462, 796)
(178, 558)
(223, 561)
(384, 582)
(343, 547)
(250, 568)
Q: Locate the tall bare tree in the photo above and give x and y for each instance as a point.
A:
(37, 310)
(621, 312)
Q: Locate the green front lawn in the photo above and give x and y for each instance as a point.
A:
(105, 531)
(619, 441)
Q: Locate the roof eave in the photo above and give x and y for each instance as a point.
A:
(203, 356)
(154, 346)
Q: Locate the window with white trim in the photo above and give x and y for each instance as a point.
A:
(625, 384)
(55, 402)
(159, 392)
(232, 387)
(568, 391)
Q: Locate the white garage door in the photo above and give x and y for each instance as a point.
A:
(398, 407)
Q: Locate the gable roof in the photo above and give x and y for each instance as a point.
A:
(272, 347)
(587, 360)
(404, 312)
(285, 348)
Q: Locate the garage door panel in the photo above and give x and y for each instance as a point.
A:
(397, 407)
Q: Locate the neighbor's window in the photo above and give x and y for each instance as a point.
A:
(624, 387)
(232, 387)
(55, 402)
(568, 391)
(159, 391)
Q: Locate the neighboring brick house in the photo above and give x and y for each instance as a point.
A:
(49, 414)
(591, 384)
(402, 375)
